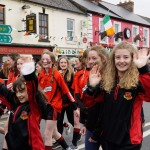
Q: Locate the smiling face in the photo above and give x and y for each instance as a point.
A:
(19, 63)
(63, 64)
(38, 68)
(10, 62)
(46, 61)
(94, 58)
(78, 64)
(123, 60)
(22, 94)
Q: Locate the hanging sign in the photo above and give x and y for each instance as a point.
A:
(31, 23)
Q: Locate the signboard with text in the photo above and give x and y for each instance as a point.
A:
(5, 31)
(31, 23)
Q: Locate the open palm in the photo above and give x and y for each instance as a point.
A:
(94, 76)
(141, 57)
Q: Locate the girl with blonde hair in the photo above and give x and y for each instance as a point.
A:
(126, 83)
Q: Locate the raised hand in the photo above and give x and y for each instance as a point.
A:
(94, 76)
(141, 57)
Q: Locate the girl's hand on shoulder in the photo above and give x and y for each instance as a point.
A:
(91, 140)
(76, 113)
(83, 130)
(94, 76)
(141, 57)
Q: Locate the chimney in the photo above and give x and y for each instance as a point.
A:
(95, 0)
(127, 5)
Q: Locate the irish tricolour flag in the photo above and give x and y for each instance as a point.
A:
(108, 26)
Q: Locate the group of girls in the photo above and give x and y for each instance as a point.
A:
(107, 89)
(119, 85)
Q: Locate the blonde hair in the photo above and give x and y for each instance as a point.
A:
(129, 79)
(69, 69)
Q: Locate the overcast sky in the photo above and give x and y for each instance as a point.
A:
(141, 7)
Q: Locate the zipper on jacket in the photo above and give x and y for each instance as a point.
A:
(14, 117)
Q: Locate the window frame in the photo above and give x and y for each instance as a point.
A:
(2, 21)
(133, 36)
(44, 27)
(73, 31)
(105, 41)
(146, 44)
(119, 30)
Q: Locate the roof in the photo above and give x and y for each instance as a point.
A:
(60, 4)
(146, 18)
(94, 8)
(124, 13)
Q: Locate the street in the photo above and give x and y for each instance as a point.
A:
(146, 134)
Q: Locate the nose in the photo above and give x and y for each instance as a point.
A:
(121, 59)
(91, 61)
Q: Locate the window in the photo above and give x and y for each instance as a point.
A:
(43, 27)
(102, 29)
(135, 32)
(70, 29)
(145, 37)
(117, 28)
(2, 19)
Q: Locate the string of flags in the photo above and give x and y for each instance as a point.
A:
(76, 39)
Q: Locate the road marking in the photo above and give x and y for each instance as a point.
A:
(81, 146)
(146, 133)
(147, 124)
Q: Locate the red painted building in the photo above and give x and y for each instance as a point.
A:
(127, 25)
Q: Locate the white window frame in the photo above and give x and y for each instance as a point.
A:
(105, 40)
(137, 27)
(147, 37)
(119, 30)
(71, 39)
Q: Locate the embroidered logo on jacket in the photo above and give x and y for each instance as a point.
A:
(128, 95)
(24, 115)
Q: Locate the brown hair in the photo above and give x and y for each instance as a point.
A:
(5, 69)
(20, 84)
(102, 53)
(14, 57)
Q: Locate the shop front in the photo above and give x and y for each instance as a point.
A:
(35, 50)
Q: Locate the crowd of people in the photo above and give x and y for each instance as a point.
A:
(101, 94)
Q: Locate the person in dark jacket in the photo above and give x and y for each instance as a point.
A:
(88, 117)
(25, 103)
(64, 68)
(126, 83)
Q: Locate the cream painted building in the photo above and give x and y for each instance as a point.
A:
(59, 26)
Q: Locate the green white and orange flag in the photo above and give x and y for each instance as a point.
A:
(108, 26)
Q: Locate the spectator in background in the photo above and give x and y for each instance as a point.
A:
(38, 67)
(4, 70)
